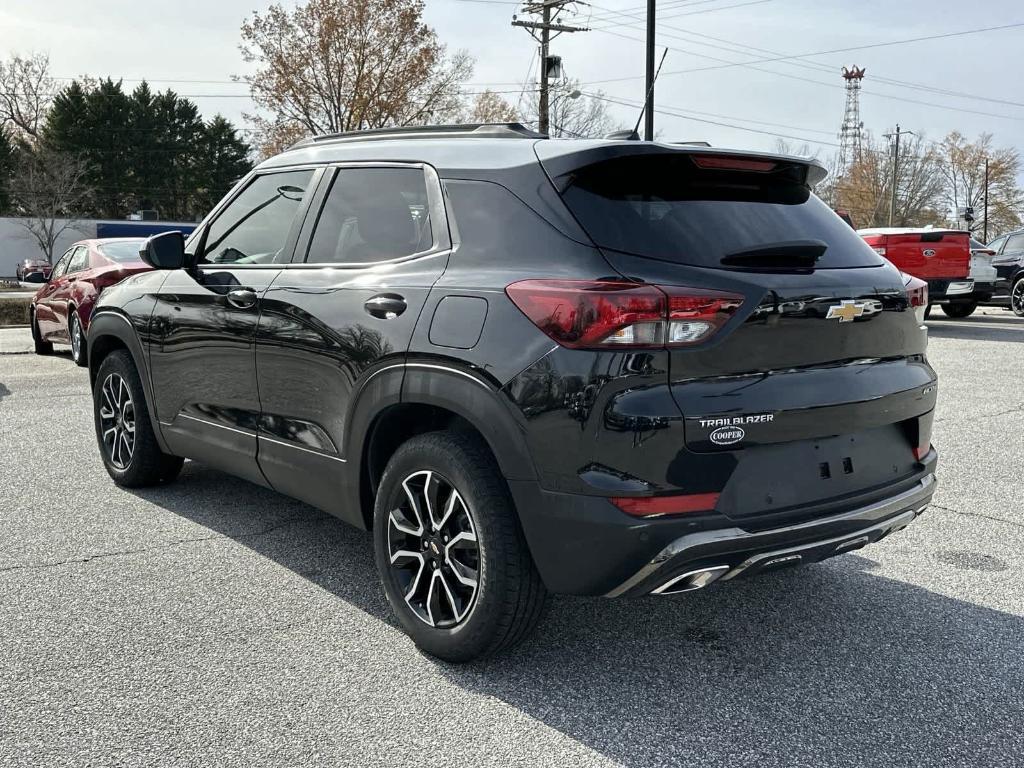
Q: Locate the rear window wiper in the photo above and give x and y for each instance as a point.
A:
(792, 254)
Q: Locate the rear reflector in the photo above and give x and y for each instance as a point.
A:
(656, 506)
(920, 451)
(727, 163)
(582, 314)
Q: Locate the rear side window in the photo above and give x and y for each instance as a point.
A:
(122, 251)
(664, 207)
(371, 215)
(254, 227)
(79, 260)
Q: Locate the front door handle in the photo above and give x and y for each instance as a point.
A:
(243, 298)
(385, 306)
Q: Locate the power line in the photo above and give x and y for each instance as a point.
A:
(750, 65)
(833, 50)
(818, 66)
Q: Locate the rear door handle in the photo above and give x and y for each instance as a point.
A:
(385, 306)
(243, 298)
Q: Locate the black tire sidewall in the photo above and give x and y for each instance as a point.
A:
(148, 465)
(76, 322)
(1017, 283)
(959, 311)
(482, 495)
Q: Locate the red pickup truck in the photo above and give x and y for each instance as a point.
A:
(940, 257)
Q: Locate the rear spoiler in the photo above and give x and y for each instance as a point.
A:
(561, 158)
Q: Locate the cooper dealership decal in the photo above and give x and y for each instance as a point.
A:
(727, 435)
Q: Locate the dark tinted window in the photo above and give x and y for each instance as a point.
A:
(122, 250)
(255, 225)
(373, 214)
(664, 207)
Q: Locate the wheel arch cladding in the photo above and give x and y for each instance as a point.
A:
(442, 400)
(109, 332)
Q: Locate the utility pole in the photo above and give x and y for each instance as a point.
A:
(895, 169)
(649, 79)
(984, 228)
(548, 12)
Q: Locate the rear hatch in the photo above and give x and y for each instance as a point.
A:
(816, 380)
(927, 254)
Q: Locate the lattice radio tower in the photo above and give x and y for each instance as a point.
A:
(852, 128)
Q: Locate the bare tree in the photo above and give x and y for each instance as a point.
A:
(963, 169)
(573, 114)
(48, 189)
(26, 91)
(865, 187)
(342, 65)
(490, 107)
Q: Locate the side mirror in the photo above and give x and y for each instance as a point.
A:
(164, 251)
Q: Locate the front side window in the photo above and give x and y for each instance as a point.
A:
(371, 215)
(997, 244)
(254, 227)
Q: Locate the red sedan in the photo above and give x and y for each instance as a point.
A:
(61, 308)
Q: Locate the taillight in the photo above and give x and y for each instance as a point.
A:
(656, 506)
(727, 163)
(917, 292)
(921, 450)
(600, 314)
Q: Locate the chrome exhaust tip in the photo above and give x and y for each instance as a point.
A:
(691, 580)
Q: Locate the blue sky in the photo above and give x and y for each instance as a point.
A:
(193, 40)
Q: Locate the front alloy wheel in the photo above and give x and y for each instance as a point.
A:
(117, 421)
(1017, 298)
(433, 549)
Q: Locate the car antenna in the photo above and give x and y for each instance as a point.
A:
(647, 96)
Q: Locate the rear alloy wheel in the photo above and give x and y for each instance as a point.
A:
(450, 553)
(77, 337)
(960, 310)
(42, 347)
(433, 550)
(1017, 297)
(124, 431)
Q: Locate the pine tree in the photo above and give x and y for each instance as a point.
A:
(225, 160)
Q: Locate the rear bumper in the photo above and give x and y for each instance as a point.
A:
(942, 290)
(583, 545)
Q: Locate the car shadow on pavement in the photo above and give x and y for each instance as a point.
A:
(829, 664)
(984, 329)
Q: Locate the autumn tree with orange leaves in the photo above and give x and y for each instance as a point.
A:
(341, 65)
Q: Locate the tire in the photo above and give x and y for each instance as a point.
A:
(960, 310)
(468, 622)
(79, 352)
(1017, 297)
(42, 347)
(137, 460)
(928, 311)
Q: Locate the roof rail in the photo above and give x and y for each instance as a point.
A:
(471, 130)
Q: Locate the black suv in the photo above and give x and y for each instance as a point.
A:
(1009, 263)
(529, 366)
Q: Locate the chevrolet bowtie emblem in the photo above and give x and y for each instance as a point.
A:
(846, 311)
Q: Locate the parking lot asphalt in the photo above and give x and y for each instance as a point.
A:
(212, 622)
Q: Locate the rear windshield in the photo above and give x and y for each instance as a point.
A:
(123, 251)
(664, 207)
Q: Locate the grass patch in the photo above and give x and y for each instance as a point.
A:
(14, 311)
